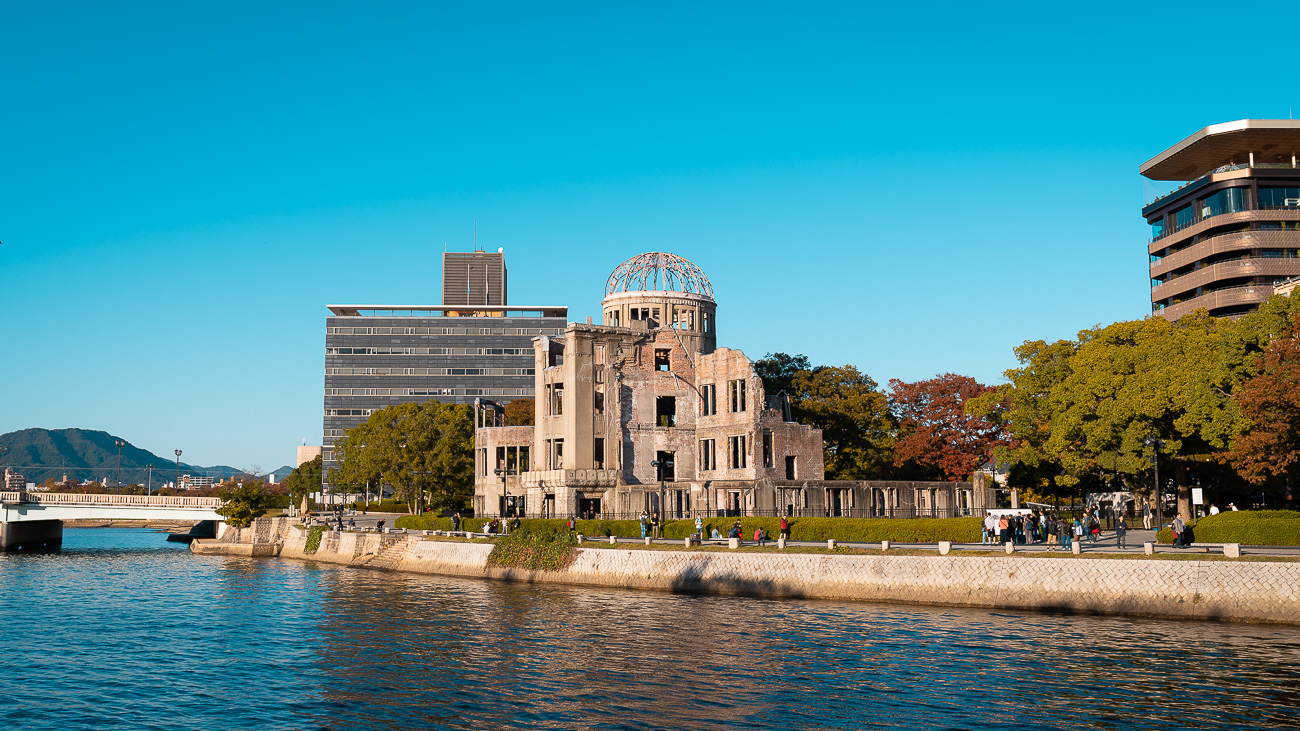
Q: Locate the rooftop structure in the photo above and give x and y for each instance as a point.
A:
(474, 278)
(1226, 237)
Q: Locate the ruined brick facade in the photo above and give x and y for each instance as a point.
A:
(645, 413)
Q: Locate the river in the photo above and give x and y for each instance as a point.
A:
(123, 630)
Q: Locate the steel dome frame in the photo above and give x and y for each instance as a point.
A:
(658, 271)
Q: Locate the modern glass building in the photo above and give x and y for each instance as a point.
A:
(381, 355)
(1232, 230)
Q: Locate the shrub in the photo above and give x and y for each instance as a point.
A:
(541, 550)
(313, 539)
(1248, 527)
(857, 530)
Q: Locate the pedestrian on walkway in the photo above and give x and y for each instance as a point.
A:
(760, 537)
(1178, 526)
(990, 528)
(645, 520)
(455, 522)
(1067, 535)
(655, 523)
(1053, 528)
(1004, 530)
(699, 527)
(1146, 514)
(785, 527)
(1077, 529)
(1121, 530)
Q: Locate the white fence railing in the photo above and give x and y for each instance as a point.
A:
(135, 501)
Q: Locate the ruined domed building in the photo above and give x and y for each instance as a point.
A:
(644, 412)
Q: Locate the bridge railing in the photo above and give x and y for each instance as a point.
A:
(140, 501)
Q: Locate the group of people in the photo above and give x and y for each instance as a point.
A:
(1047, 527)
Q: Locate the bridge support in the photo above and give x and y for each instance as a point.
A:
(31, 535)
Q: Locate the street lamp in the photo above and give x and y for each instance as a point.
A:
(1155, 445)
(148, 490)
(119, 444)
(505, 493)
(178, 469)
(659, 466)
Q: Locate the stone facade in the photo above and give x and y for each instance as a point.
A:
(645, 413)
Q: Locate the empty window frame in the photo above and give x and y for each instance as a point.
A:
(708, 399)
(790, 473)
(739, 458)
(737, 389)
(666, 411)
(708, 455)
(598, 453)
(483, 462)
(598, 402)
(767, 448)
(523, 459)
(661, 359)
(555, 454)
(501, 459)
(556, 398)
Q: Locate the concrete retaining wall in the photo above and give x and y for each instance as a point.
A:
(1242, 591)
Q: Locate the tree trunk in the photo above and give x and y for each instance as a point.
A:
(1184, 492)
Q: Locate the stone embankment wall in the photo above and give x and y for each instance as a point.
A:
(1242, 591)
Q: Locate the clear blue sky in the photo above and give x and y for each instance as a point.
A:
(912, 188)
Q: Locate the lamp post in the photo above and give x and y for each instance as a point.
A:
(148, 490)
(1155, 445)
(119, 444)
(178, 469)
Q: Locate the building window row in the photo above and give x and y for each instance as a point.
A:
(429, 371)
(428, 351)
(443, 331)
(428, 392)
(1228, 200)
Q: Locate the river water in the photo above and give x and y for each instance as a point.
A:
(123, 630)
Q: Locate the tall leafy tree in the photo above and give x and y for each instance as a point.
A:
(521, 412)
(424, 451)
(854, 418)
(778, 371)
(1270, 400)
(936, 431)
(305, 479)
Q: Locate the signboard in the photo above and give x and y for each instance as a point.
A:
(1198, 496)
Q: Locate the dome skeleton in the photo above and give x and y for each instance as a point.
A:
(658, 271)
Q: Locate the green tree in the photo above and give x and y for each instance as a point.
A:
(1091, 404)
(245, 502)
(778, 371)
(425, 452)
(305, 479)
(854, 418)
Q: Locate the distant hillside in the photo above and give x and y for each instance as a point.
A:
(88, 455)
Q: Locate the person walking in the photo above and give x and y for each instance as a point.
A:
(1178, 526)
(760, 537)
(1121, 530)
(1004, 530)
(1078, 531)
(455, 522)
(655, 523)
(699, 527)
(990, 528)
(1146, 514)
(1067, 532)
(645, 520)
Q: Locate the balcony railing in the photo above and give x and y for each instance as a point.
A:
(1223, 169)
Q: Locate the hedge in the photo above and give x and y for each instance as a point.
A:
(857, 530)
(1247, 527)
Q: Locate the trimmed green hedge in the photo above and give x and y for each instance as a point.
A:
(383, 506)
(1247, 527)
(858, 530)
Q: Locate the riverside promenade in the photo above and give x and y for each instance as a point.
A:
(1193, 586)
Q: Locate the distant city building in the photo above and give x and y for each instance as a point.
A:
(381, 355)
(477, 278)
(195, 482)
(645, 413)
(14, 482)
(1224, 238)
(306, 454)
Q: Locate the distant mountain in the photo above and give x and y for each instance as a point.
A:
(87, 455)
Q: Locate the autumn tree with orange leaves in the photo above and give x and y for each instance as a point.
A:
(934, 429)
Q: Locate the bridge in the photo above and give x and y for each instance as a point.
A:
(35, 520)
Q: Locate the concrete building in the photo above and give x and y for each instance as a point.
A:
(644, 412)
(307, 453)
(381, 355)
(1286, 286)
(1232, 230)
(13, 481)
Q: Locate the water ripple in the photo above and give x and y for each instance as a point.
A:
(122, 630)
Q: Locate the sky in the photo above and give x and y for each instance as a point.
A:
(912, 188)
